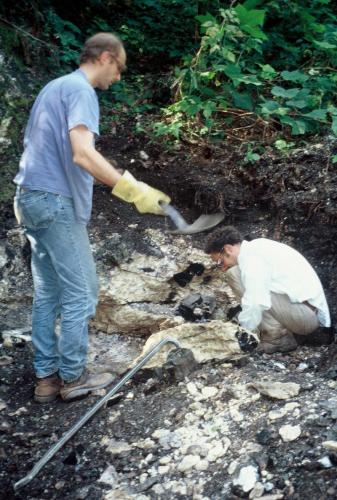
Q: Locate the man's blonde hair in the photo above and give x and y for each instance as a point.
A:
(97, 44)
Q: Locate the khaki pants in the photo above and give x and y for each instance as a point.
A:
(283, 318)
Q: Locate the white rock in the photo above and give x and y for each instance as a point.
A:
(232, 467)
(3, 405)
(159, 433)
(218, 450)
(326, 462)
(143, 155)
(188, 463)
(209, 392)
(276, 414)
(158, 489)
(165, 460)
(330, 445)
(163, 469)
(202, 465)
(144, 444)
(302, 366)
(257, 491)
(109, 476)
(235, 414)
(192, 389)
(247, 478)
(291, 406)
(289, 432)
(277, 390)
(115, 447)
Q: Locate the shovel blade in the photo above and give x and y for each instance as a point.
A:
(203, 223)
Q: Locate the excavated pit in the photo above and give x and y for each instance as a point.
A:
(197, 433)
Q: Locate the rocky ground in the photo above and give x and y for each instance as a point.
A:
(226, 430)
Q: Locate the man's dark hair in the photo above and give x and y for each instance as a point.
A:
(97, 44)
(227, 235)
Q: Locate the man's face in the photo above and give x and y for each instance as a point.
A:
(110, 68)
(227, 258)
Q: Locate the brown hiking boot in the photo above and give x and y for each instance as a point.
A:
(86, 383)
(47, 389)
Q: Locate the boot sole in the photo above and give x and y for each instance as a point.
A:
(76, 393)
(45, 399)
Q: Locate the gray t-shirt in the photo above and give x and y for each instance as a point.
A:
(47, 161)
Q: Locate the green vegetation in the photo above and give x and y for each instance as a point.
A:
(200, 70)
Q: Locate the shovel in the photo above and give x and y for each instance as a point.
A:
(203, 223)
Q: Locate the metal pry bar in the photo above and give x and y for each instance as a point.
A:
(51, 452)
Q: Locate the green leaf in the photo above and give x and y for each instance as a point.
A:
(208, 109)
(269, 107)
(294, 76)
(317, 114)
(298, 127)
(242, 101)
(229, 55)
(297, 103)
(334, 159)
(250, 20)
(268, 72)
(324, 45)
(281, 92)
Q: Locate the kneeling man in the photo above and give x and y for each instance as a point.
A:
(279, 291)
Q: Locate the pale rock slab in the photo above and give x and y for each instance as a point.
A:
(212, 340)
(277, 390)
(132, 319)
(289, 432)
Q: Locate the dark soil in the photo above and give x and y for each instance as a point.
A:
(291, 199)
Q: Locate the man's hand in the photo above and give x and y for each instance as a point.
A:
(145, 197)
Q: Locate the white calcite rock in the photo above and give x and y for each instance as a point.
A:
(218, 450)
(209, 392)
(289, 432)
(330, 445)
(277, 390)
(247, 478)
(188, 463)
(109, 476)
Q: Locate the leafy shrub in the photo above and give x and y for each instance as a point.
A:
(248, 60)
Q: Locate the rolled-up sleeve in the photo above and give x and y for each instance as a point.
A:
(256, 279)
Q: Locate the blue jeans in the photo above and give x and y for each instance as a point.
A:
(65, 282)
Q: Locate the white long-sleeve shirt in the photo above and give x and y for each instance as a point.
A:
(269, 266)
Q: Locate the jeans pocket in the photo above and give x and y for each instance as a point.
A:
(36, 209)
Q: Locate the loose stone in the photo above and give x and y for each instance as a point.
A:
(289, 432)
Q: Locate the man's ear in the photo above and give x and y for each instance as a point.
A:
(228, 248)
(104, 56)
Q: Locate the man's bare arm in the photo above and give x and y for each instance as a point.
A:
(86, 156)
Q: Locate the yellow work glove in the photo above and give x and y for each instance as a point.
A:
(142, 195)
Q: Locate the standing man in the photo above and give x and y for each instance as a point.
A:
(279, 291)
(53, 203)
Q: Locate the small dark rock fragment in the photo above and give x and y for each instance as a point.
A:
(246, 341)
(179, 364)
(264, 437)
(186, 276)
(196, 307)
